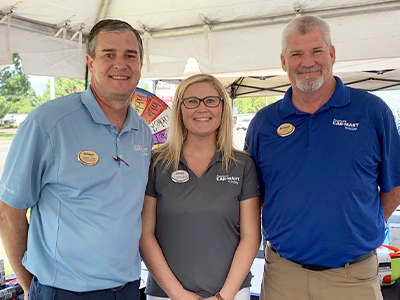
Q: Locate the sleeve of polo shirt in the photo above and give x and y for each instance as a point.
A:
(29, 158)
(389, 176)
(151, 183)
(251, 146)
(250, 187)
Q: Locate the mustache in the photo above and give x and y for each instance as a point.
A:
(307, 70)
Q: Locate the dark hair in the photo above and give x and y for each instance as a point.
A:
(110, 25)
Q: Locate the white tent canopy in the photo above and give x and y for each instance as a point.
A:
(229, 38)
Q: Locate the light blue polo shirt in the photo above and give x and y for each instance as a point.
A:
(321, 199)
(85, 219)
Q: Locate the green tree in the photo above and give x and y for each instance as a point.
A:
(4, 107)
(251, 105)
(16, 89)
(63, 87)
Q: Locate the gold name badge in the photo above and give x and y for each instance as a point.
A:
(285, 129)
(88, 157)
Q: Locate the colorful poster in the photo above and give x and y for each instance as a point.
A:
(154, 111)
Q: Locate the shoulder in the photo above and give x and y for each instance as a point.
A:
(269, 109)
(51, 112)
(267, 114)
(241, 155)
(243, 158)
(369, 103)
(359, 97)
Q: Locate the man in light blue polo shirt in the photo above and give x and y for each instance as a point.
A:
(81, 163)
(328, 158)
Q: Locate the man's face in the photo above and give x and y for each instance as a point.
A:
(308, 61)
(116, 66)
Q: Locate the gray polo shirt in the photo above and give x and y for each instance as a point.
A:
(197, 223)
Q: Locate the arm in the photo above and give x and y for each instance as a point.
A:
(250, 238)
(154, 258)
(390, 201)
(14, 235)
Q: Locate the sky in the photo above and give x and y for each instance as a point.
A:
(39, 83)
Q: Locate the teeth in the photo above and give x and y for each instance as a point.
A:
(202, 119)
(119, 77)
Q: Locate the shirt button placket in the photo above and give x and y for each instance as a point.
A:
(312, 130)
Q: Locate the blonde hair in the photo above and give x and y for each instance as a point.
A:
(169, 153)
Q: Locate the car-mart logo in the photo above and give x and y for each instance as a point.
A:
(347, 125)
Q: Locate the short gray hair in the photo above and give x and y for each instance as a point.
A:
(110, 25)
(304, 25)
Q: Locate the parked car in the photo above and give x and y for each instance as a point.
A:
(242, 124)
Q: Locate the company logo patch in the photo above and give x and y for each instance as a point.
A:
(347, 125)
(228, 178)
(137, 148)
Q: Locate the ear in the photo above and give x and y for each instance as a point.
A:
(283, 62)
(89, 61)
(332, 53)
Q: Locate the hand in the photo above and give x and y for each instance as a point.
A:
(210, 298)
(187, 295)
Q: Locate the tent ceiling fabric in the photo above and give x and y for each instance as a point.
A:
(239, 37)
(256, 86)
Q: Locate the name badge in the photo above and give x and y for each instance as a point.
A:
(180, 176)
(285, 129)
(88, 157)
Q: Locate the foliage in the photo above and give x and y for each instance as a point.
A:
(14, 84)
(16, 92)
(63, 87)
(4, 107)
(251, 105)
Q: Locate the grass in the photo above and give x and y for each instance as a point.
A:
(7, 135)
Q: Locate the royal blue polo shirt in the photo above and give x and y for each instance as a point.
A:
(85, 218)
(322, 173)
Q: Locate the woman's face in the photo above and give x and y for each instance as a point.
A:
(202, 120)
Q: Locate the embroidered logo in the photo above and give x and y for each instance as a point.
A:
(347, 125)
(137, 148)
(228, 178)
(7, 189)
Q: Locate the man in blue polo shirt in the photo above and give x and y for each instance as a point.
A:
(81, 164)
(328, 158)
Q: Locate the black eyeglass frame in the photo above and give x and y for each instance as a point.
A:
(202, 100)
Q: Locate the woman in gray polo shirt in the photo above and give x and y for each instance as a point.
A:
(201, 213)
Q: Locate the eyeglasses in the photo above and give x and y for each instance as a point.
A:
(210, 101)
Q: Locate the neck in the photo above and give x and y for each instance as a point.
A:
(310, 102)
(115, 111)
(200, 145)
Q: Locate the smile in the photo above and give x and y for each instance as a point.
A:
(120, 77)
(202, 119)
